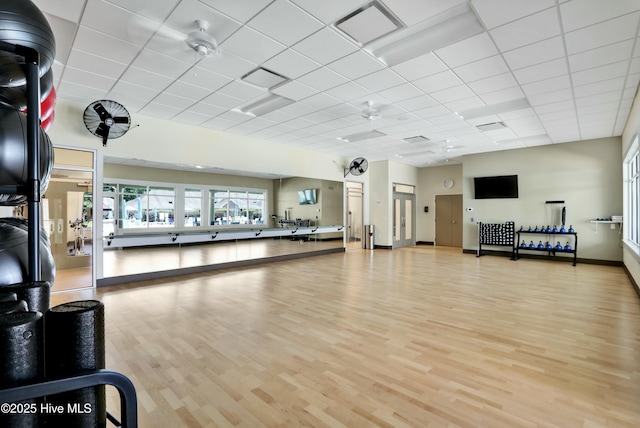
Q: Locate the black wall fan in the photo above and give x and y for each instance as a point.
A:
(358, 166)
(107, 119)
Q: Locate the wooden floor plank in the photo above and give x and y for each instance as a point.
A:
(414, 337)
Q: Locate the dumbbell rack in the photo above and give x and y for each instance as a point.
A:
(128, 400)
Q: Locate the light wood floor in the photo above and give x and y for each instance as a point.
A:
(414, 337)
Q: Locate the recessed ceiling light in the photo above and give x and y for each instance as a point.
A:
(368, 23)
(491, 126)
(362, 136)
(453, 25)
(416, 139)
(266, 105)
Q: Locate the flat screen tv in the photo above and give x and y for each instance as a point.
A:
(496, 187)
(307, 197)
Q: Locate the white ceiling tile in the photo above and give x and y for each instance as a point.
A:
(600, 87)
(493, 83)
(159, 110)
(437, 82)
(421, 66)
(533, 28)
(242, 91)
(497, 12)
(241, 11)
(605, 72)
(547, 85)
(298, 109)
(535, 53)
(96, 64)
(205, 109)
(221, 100)
(294, 90)
(417, 103)
(117, 22)
(175, 101)
(158, 11)
(465, 104)
(328, 10)
(411, 12)
(234, 116)
(299, 23)
(191, 118)
(204, 79)
(291, 64)
(186, 90)
(550, 97)
(91, 80)
(482, 68)
(554, 107)
(380, 80)
(320, 101)
(325, 46)
(161, 64)
(634, 66)
(468, 50)
(602, 34)
(64, 32)
(116, 49)
(601, 56)
(517, 114)
(322, 79)
(452, 94)
(581, 13)
(357, 64)
(251, 45)
(69, 10)
(348, 91)
(78, 92)
(401, 92)
(227, 65)
(545, 70)
(503, 95)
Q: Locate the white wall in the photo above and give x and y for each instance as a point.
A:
(430, 184)
(630, 259)
(587, 175)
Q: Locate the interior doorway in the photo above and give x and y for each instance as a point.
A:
(404, 228)
(449, 220)
(354, 214)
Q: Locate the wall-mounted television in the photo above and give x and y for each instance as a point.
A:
(496, 187)
(307, 197)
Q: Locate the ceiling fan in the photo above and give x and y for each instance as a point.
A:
(106, 119)
(447, 147)
(370, 113)
(358, 166)
(202, 42)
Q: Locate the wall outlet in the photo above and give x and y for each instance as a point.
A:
(613, 225)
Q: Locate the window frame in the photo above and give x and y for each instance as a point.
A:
(631, 197)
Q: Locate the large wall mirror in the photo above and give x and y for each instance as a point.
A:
(156, 219)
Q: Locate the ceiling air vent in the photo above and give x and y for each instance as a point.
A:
(491, 126)
(416, 139)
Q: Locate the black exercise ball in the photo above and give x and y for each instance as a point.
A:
(22, 23)
(14, 256)
(16, 98)
(13, 155)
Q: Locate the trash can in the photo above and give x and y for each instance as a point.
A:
(367, 242)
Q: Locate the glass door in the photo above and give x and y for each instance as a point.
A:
(404, 230)
(355, 215)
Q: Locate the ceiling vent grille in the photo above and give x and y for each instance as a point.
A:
(491, 126)
(416, 139)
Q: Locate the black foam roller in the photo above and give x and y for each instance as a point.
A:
(21, 362)
(7, 296)
(37, 294)
(13, 306)
(74, 345)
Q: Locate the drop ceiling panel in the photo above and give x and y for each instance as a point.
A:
(582, 13)
(92, 80)
(96, 64)
(241, 11)
(191, 118)
(550, 97)
(401, 92)
(154, 62)
(174, 101)
(348, 91)
(531, 29)
(291, 64)
(605, 33)
(205, 109)
(468, 50)
(204, 79)
(132, 91)
(322, 79)
(95, 42)
(117, 22)
(160, 111)
(498, 12)
(600, 56)
(328, 10)
(380, 80)
(503, 95)
(221, 100)
(535, 53)
(437, 82)
(547, 85)
(421, 66)
(186, 90)
(227, 65)
(482, 69)
(605, 72)
(545, 70)
(295, 90)
(251, 45)
(452, 94)
(493, 83)
(600, 87)
(325, 46)
(357, 64)
(300, 24)
(66, 9)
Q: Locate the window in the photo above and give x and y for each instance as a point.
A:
(192, 207)
(236, 207)
(632, 195)
(145, 206)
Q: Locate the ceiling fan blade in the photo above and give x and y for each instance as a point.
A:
(121, 119)
(102, 112)
(102, 130)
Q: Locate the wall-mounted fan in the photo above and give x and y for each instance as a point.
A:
(358, 166)
(107, 119)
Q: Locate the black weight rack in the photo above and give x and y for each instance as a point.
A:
(499, 234)
(128, 400)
